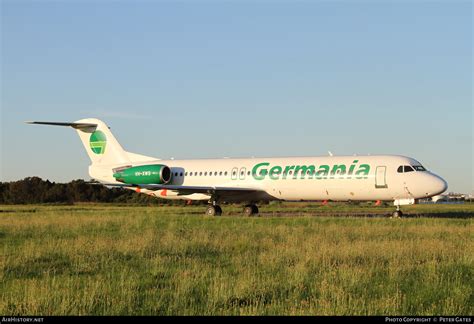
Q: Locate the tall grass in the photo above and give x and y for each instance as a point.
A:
(169, 261)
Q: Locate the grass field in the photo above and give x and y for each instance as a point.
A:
(122, 260)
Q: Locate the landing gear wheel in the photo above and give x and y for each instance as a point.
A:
(210, 211)
(397, 214)
(250, 210)
(255, 209)
(213, 210)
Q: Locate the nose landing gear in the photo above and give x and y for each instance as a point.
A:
(398, 213)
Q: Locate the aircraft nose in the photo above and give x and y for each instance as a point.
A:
(439, 185)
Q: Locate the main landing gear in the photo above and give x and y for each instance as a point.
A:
(250, 210)
(216, 210)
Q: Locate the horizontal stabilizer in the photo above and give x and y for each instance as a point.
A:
(73, 125)
(101, 146)
(99, 142)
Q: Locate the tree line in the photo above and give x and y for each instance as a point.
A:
(34, 190)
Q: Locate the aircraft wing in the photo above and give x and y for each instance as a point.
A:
(188, 190)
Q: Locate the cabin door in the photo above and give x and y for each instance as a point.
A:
(380, 177)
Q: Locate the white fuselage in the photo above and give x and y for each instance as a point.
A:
(337, 178)
(378, 177)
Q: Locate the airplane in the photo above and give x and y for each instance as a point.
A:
(396, 178)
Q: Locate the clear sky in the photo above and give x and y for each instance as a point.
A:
(238, 78)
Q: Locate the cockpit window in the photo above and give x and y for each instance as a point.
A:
(408, 168)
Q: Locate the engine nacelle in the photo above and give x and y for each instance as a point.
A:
(144, 174)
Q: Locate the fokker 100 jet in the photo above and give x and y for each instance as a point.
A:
(400, 179)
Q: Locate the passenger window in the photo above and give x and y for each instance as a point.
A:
(181, 174)
(225, 173)
(200, 173)
(220, 173)
(400, 169)
(185, 174)
(407, 168)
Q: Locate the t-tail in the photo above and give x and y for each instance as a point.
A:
(102, 147)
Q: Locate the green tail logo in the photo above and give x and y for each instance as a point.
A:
(98, 141)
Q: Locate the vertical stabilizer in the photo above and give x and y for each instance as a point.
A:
(102, 147)
(100, 144)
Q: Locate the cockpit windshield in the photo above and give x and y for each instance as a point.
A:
(410, 168)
